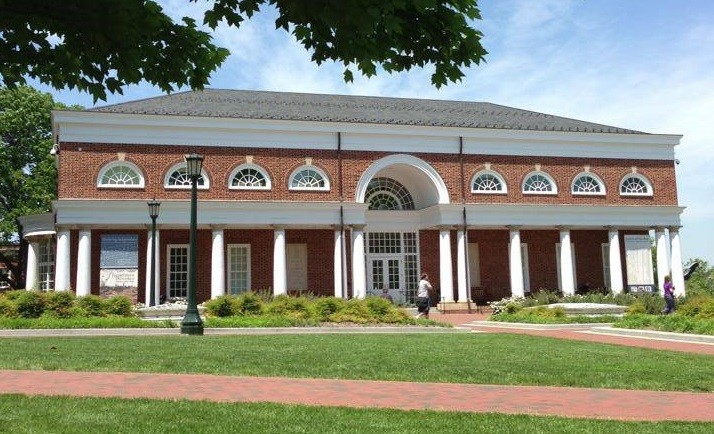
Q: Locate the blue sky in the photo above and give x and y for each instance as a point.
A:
(647, 65)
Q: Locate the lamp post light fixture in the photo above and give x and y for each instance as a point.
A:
(192, 324)
(153, 213)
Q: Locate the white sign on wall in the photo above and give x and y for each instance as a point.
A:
(297, 267)
(638, 257)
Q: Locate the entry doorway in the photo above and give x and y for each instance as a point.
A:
(387, 272)
(393, 263)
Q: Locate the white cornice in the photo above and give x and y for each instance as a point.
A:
(134, 213)
(37, 225)
(94, 127)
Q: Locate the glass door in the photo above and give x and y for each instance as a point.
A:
(386, 273)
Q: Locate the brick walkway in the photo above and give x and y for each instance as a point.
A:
(554, 401)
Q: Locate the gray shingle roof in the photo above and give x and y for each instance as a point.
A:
(246, 104)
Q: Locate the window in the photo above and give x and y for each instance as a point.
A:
(605, 253)
(388, 194)
(46, 265)
(4, 274)
(488, 182)
(120, 174)
(238, 268)
(635, 185)
(249, 177)
(309, 178)
(177, 271)
(539, 183)
(588, 184)
(177, 178)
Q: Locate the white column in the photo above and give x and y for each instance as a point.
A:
(359, 277)
(662, 258)
(516, 263)
(157, 270)
(32, 275)
(566, 263)
(62, 261)
(280, 276)
(218, 269)
(446, 278)
(616, 283)
(677, 271)
(337, 265)
(461, 266)
(84, 264)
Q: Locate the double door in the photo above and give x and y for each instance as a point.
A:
(387, 272)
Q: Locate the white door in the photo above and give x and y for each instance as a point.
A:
(386, 272)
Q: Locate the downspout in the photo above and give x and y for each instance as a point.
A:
(466, 232)
(343, 255)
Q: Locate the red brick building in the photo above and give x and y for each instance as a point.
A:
(344, 195)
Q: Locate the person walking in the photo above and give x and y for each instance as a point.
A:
(668, 295)
(422, 301)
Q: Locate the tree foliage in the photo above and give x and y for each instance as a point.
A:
(27, 170)
(104, 45)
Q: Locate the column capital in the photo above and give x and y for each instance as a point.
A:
(278, 227)
(657, 228)
(611, 228)
(445, 227)
(564, 228)
(357, 227)
(217, 227)
(514, 227)
(674, 229)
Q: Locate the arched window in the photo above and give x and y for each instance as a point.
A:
(388, 194)
(488, 182)
(120, 174)
(309, 178)
(249, 177)
(588, 183)
(177, 177)
(635, 184)
(539, 183)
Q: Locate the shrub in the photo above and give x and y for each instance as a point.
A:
(700, 306)
(14, 294)
(30, 304)
(91, 305)
(119, 305)
(8, 309)
(322, 308)
(248, 303)
(378, 306)
(221, 306)
(355, 311)
(59, 304)
(290, 306)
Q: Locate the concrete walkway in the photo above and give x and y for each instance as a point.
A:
(542, 401)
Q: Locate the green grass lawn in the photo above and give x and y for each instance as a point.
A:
(22, 414)
(458, 358)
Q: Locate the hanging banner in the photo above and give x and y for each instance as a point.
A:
(638, 257)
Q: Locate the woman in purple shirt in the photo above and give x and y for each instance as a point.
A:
(668, 295)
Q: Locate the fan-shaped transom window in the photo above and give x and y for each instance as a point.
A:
(120, 174)
(249, 177)
(635, 185)
(489, 182)
(177, 177)
(588, 183)
(309, 178)
(387, 194)
(539, 183)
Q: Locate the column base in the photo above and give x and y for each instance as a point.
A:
(456, 307)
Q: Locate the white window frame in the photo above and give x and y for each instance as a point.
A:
(558, 265)
(268, 181)
(168, 266)
(182, 165)
(642, 178)
(544, 175)
(229, 271)
(321, 172)
(46, 268)
(605, 252)
(496, 175)
(602, 191)
(114, 164)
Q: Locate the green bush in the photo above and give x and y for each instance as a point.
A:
(59, 304)
(512, 307)
(647, 303)
(221, 306)
(378, 306)
(322, 308)
(355, 311)
(8, 309)
(291, 306)
(30, 304)
(14, 294)
(700, 306)
(248, 303)
(91, 305)
(119, 305)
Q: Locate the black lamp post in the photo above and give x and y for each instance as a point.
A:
(192, 324)
(153, 213)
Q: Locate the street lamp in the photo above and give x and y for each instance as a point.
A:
(192, 324)
(153, 213)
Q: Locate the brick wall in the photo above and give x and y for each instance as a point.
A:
(81, 164)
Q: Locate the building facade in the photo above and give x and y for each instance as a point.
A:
(345, 196)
